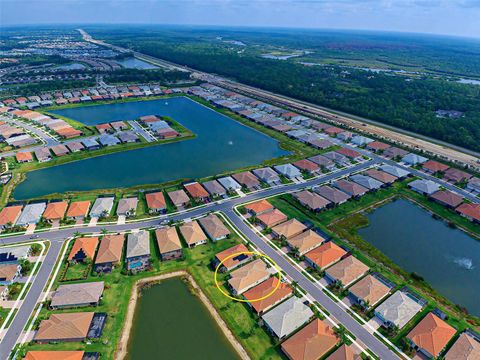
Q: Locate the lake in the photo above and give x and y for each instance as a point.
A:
(134, 63)
(447, 258)
(221, 145)
(171, 323)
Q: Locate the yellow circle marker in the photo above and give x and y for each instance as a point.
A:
(249, 253)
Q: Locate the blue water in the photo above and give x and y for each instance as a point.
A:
(222, 144)
(134, 63)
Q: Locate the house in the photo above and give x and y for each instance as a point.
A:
(366, 182)
(169, 243)
(413, 159)
(305, 242)
(289, 171)
(395, 171)
(325, 255)
(333, 195)
(397, 310)
(43, 155)
(119, 125)
(447, 198)
(179, 198)
(229, 183)
(425, 187)
(456, 176)
(127, 206)
(78, 210)
(75, 146)
(268, 176)
(271, 218)
(259, 207)
(59, 150)
(193, 234)
(323, 162)
(83, 248)
(332, 130)
(77, 295)
(310, 200)
(102, 207)
(24, 157)
(55, 355)
(64, 327)
(337, 158)
(9, 216)
(368, 291)
(346, 271)
(247, 180)
(312, 342)
(196, 191)
(434, 167)
(31, 214)
(344, 352)
(90, 144)
(138, 251)
(431, 335)
(12, 255)
(381, 176)
(470, 211)
(351, 188)
(214, 188)
(474, 185)
(345, 136)
(288, 229)
(214, 227)
(9, 272)
(108, 140)
(466, 347)
(349, 153)
(307, 166)
(232, 257)
(104, 128)
(156, 202)
(128, 137)
(248, 276)
(287, 317)
(394, 153)
(55, 211)
(360, 140)
(267, 294)
(109, 253)
(377, 146)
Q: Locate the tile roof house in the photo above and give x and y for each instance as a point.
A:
(102, 207)
(311, 200)
(77, 295)
(127, 206)
(91, 144)
(360, 140)
(394, 152)
(323, 162)
(474, 185)
(55, 210)
(369, 291)
(395, 171)
(179, 198)
(78, 209)
(455, 176)
(344, 352)
(287, 317)
(311, 343)
(247, 179)
(288, 229)
(470, 211)
(9, 215)
(83, 248)
(366, 181)
(269, 294)
(325, 255)
(333, 195)
(229, 183)
(43, 155)
(431, 335)
(214, 188)
(467, 347)
(59, 150)
(196, 191)
(249, 275)
(305, 241)
(75, 146)
(259, 207)
(346, 271)
(289, 171)
(271, 218)
(54, 355)
(64, 327)
(397, 310)
(24, 157)
(214, 227)
(307, 166)
(414, 159)
(193, 234)
(156, 202)
(433, 167)
(377, 146)
(381, 176)
(267, 175)
(8, 273)
(426, 187)
(169, 243)
(350, 187)
(108, 140)
(349, 153)
(31, 214)
(138, 251)
(447, 198)
(230, 262)
(109, 253)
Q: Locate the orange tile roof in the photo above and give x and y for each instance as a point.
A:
(344, 352)
(432, 334)
(86, 244)
(231, 262)
(306, 241)
(168, 240)
(55, 210)
(434, 166)
(10, 214)
(470, 210)
(272, 218)
(289, 229)
(196, 190)
(370, 289)
(347, 270)
(307, 165)
(65, 326)
(78, 208)
(249, 275)
(378, 145)
(23, 156)
(110, 249)
(156, 200)
(265, 288)
(54, 355)
(260, 206)
(310, 343)
(326, 254)
(192, 233)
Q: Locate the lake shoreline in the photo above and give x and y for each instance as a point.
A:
(122, 346)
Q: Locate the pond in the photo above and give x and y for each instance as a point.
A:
(171, 323)
(134, 63)
(447, 258)
(221, 145)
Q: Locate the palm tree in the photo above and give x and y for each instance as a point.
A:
(104, 231)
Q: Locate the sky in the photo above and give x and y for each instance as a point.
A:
(450, 17)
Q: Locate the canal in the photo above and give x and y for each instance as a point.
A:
(221, 145)
(171, 323)
(447, 258)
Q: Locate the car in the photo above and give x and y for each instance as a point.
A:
(34, 236)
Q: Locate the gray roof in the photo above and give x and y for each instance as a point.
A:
(77, 294)
(31, 214)
(338, 158)
(288, 170)
(394, 170)
(399, 309)
(214, 188)
(287, 317)
(126, 136)
(127, 204)
(108, 140)
(229, 183)
(321, 160)
(425, 186)
(89, 142)
(266, 174)
(361, 140)
(138, 244)
(101, 205)
(366, 181)
(414, 159)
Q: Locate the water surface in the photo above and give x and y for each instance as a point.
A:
(134, 63)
